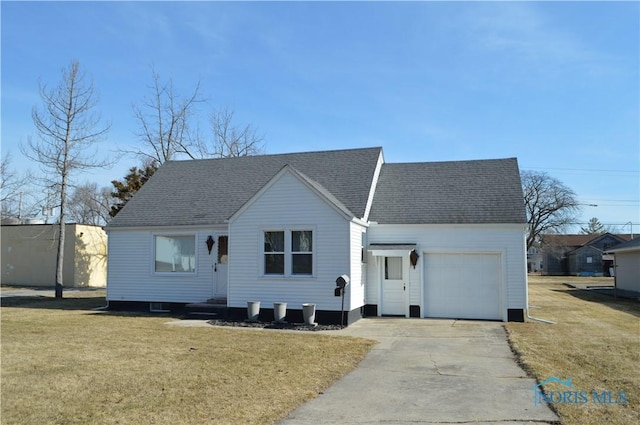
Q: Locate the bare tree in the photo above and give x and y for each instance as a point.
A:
(67, 133)
(165, 122)
(550, 205)
(229, 140)
(12, 186)
(90, 205)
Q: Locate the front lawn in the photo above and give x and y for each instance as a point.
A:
(595, 342)
(65, 364)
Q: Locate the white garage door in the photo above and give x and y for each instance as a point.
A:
(462, 286)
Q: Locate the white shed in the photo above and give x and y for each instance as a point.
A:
(627, 265)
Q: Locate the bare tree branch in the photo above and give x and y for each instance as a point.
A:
(550, 205)
(165, 122)
(229, 140)
(90, 205)
(11, 186)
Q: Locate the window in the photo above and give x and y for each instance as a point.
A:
(175, 253)
(274, 253)
(301, 256)
(288, 253)
(223, 249)
(393, 268)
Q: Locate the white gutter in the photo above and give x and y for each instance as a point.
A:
(549, 322)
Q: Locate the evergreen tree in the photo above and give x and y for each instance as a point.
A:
(132, 183)
(594, 227)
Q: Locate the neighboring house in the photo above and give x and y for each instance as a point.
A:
(441, 239)
(627, 265)
(535, 260)
(29, 254)
(578, 254)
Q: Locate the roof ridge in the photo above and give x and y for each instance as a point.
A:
(453, 161)
(282, 154)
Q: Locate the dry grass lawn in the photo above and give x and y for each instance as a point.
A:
(65, 364)
(596, 343)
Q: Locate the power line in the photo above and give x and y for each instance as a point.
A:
(613, 200)
(583, 170)
(607, 224)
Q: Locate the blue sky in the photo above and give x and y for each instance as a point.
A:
(555, 84)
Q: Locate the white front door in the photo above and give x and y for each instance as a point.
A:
(393, 286)
(220, 267)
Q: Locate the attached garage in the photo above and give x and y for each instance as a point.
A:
(463, 286)
(466, 220)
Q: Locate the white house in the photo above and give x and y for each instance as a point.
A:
(440, 239)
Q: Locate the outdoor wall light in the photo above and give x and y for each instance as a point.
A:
(209, 243)
(413, 257)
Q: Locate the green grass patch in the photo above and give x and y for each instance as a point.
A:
(65, 364)
(596, 343)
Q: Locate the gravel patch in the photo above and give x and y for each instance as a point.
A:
(275, 325)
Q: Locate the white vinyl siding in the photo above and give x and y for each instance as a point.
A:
(131, 275)
(357, 275)
(273, 209)
(506, 240)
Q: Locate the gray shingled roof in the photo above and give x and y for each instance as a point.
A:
(632, 245)
(457, 192)
(208, 192)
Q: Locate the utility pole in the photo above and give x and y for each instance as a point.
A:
(20, 207)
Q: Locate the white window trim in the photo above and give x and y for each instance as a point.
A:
(288, 253)
(153, 254)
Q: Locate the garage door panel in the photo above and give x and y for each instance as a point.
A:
(462, 286)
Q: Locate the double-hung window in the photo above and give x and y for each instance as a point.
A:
(274, 253)
(302, 252)
(288, 253)
(174, 253)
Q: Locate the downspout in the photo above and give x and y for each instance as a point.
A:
(615, 274)
(104, 307)
(526, 276)
(549, 322)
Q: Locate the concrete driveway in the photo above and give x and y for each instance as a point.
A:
(429, 372)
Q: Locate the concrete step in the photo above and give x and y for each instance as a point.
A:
(217, 300)
(206, 310)
(203, 315)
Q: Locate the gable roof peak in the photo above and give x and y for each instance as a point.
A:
(210, 191)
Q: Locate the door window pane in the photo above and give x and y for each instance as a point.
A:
(223, 249)
(393, 268)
